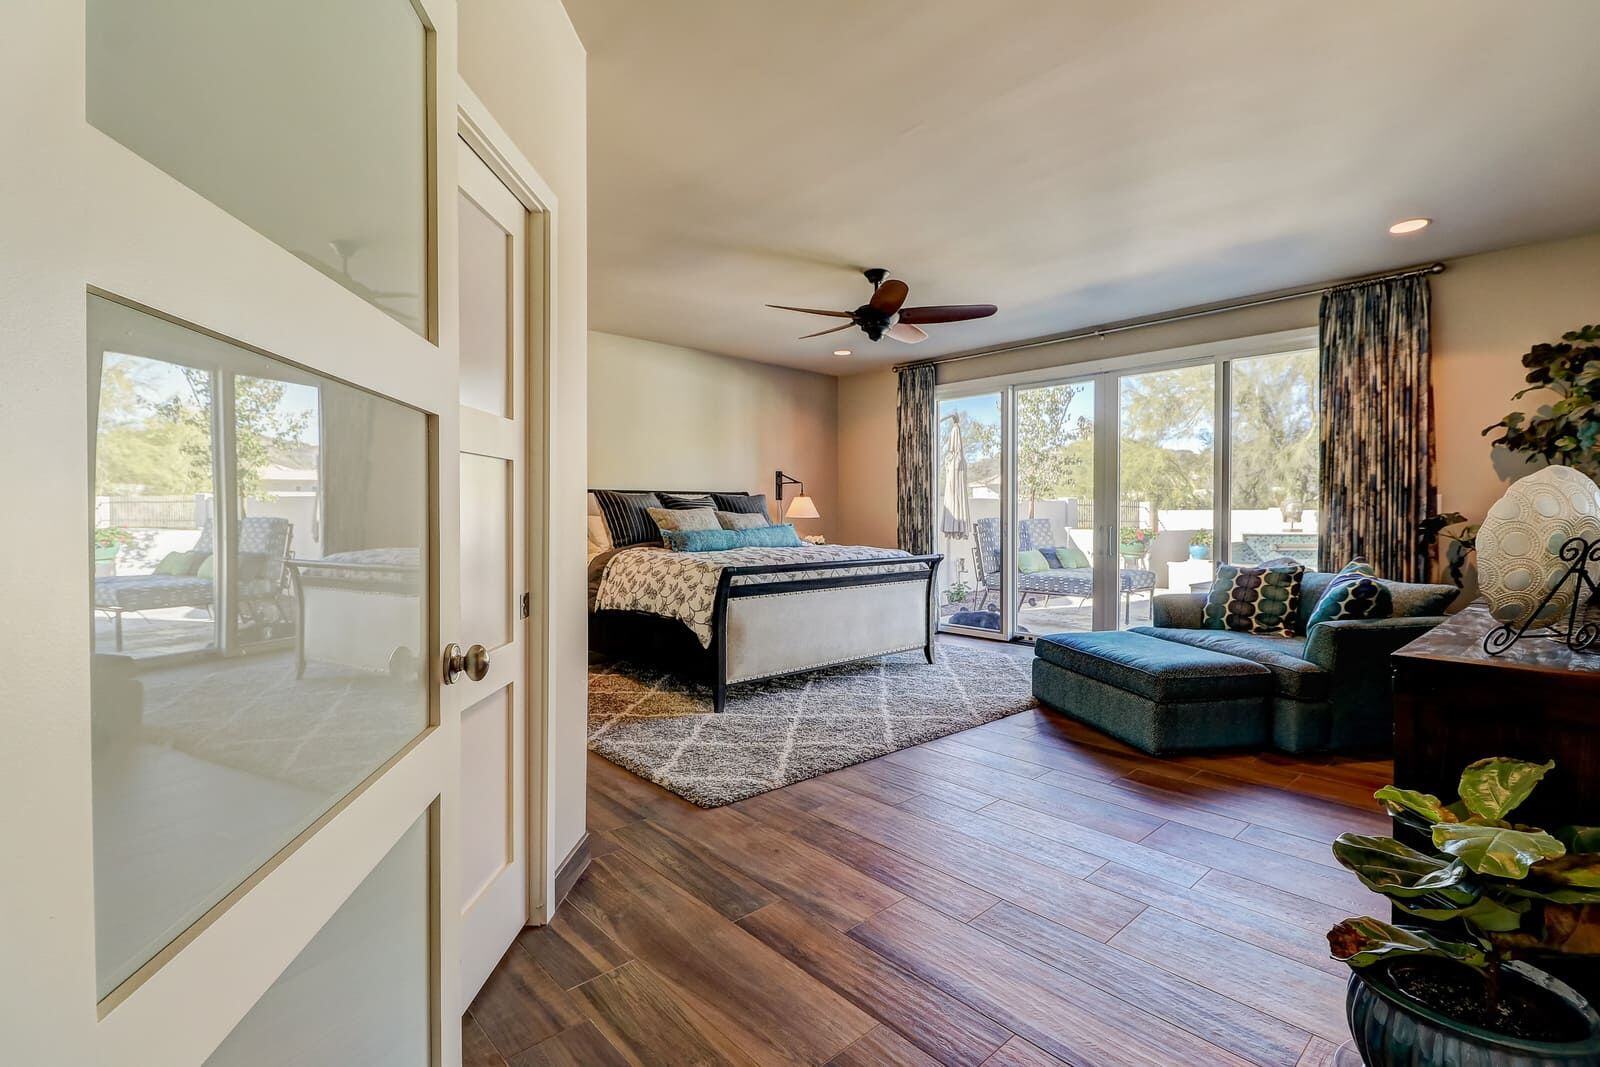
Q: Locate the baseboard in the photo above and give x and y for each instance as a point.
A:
(567, 872)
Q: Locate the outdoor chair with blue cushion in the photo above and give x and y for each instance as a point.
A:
(1327, 690)
(1037, 533)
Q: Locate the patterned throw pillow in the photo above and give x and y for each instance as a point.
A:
(686, 519)
(686, 501)
(1354, 593)
(741, 520)
(628, 518)
(1255, 600)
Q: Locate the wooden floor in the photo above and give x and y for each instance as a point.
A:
(1025, 893)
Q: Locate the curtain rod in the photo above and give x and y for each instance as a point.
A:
(1179, 316)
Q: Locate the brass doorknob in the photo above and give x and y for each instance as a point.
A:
(474, 663)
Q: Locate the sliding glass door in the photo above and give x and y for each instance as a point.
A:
(1070, 504)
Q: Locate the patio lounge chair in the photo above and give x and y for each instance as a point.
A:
(263, 537)
(1073, 582)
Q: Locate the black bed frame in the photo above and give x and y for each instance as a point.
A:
(672, 646)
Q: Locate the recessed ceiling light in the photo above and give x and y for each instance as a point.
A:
(1409, 225)
(841, 351)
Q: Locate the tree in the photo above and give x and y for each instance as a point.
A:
(259, 427)
(1045, 432)
(1168, 437)
(1275, 445)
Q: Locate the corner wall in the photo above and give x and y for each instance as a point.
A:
(1487, 310)
(664, 417)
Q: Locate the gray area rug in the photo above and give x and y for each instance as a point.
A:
(789, 729)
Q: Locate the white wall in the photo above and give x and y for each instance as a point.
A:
(664, 417)
(525, 62)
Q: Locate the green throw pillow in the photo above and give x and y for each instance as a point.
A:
(1354, 593)
(1071, 555)
(178, 564)
(207, 567)
(1032, 561)
(1255, 600)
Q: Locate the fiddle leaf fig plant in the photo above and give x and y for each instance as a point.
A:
(1566, 431)
(1489, 890)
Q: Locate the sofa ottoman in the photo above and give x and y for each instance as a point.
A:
(1159, 696)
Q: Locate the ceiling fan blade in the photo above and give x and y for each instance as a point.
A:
(889, 296)
(947, 313)
(907, 333)
(814, 311)
(835, 329)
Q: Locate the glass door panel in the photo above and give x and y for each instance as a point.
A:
(1166, 469)
(967, 513)
(1273, 458)
(1054, 540)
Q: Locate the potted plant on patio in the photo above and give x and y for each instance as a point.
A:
(1489, 896)
(108, 542)
(1133, 542)
(1200, 544)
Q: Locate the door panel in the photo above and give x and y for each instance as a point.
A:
(1055, 508)
(969, 519)
(494, 433)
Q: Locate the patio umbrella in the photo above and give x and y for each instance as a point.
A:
(953, 480)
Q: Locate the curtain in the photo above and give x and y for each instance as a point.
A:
(914, 469)
(1377, 426)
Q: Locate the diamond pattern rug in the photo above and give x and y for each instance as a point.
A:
(789, 729)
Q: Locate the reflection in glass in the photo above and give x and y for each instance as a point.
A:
(1273, 456)
(267, 587)
(305, 120)
(967, 511)
(1055, 508)
(1166, 464)
(359, 991)
(485, 266)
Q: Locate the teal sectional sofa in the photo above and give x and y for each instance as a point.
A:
(1328, 691)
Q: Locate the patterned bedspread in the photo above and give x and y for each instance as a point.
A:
(683, 585)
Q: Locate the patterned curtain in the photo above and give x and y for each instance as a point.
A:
(1377, 426)
(914, 470)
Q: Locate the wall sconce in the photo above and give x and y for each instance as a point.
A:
(801, 506)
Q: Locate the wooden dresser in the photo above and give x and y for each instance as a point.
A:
(1455, 703)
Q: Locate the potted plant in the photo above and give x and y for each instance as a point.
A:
(1134, 541)
(1461, 541)
(1566, 431)
(1488, 895)
(108, 541)
(1200, 544)
(958, 592)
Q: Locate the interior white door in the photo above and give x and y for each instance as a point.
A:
(493, 244)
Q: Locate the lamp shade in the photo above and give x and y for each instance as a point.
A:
(801, 507)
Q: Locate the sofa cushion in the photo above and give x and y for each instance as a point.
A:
(1162, 671)
(1292, 674)
(1418, 599)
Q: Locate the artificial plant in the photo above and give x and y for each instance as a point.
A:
(1567, 432)
(1461, 538)
(1491, 890)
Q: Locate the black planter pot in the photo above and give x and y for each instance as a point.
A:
(1390, 1029)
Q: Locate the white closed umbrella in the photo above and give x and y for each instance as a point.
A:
(953, 482)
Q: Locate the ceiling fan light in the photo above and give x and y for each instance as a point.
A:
(1409, 226)
(841, 351)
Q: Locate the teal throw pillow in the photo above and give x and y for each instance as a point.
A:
(1255, 600)
(700, 540)
(779, 536)
(1354, 593)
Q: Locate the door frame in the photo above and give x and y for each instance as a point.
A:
(478, 128)
(1105, 375)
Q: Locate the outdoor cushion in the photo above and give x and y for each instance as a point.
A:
(1162, 671)
(1293, 675)
(176, 564)
(1032, 561)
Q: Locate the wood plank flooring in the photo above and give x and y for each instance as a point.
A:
(1025, 894)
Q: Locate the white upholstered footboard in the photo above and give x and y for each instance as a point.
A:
(780, 633)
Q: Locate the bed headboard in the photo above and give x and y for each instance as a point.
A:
(685, 492)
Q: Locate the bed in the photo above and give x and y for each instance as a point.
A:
(748, 614)
(359, 609)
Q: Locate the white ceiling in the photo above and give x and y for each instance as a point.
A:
(1075, 163)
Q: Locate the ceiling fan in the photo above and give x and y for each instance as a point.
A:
(884, 316)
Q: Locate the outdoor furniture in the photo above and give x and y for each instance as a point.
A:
(1069, 581)
(265, 537)
(1158, 696)
(1252, 548)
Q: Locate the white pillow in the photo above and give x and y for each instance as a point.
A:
(742, 520)
(599, 533)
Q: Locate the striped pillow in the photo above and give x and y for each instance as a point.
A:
(748, 503)
(686, 501)
(628, 517)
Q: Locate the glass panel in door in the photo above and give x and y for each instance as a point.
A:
(967, 513)
(1055, 508)
(1272, 457)
(1166, 470)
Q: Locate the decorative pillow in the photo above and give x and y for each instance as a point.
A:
(741, 520)
(251, 566)
(745, 503)
(207, 567)
(178, 564)
(700, 540)
(686, 501)
(1032, 561)
(1071, 556)
(599, 536)
(1254, 600)
(769, 536)
(628, 517)
(1354, 593)
(687, 519)
(1051, 556)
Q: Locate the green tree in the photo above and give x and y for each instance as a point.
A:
(1275, 447)
(1168, 437)
(1045, 431)
(259, 426)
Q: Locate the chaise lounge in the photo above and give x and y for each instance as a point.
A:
(1078, 582)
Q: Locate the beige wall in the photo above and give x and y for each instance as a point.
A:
(525, 62)
(663, 417)
(1487, 310)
